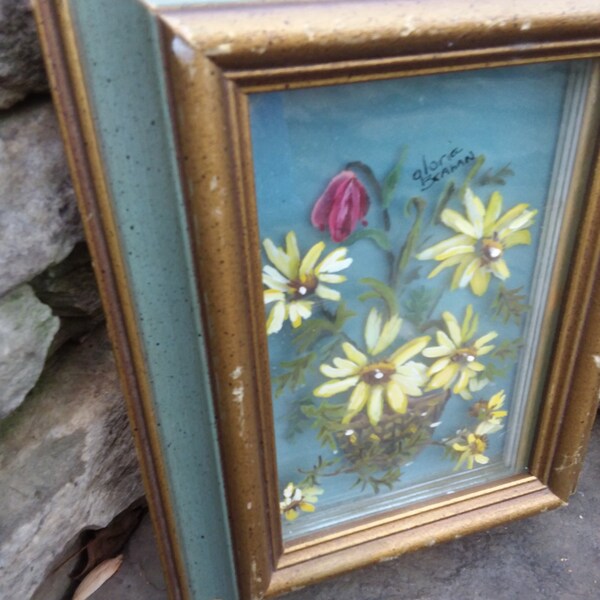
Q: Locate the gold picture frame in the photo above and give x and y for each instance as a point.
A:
(215, 56)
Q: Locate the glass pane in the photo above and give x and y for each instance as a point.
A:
(409, 230)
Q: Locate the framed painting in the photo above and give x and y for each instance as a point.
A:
(388, 215)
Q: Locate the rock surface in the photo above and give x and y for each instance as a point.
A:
(27, 328)
(21, 64)
(66, 463)
(39, 220)
(70, 290)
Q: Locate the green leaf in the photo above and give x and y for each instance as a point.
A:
(342, 314)
(392, 179)
(381, 290)
(379, 237)
(296, 418)
(491, 177)
(294, 375)
(509, 304)
(413, 235)
(471, 174)
(443, 200)
(507, 350)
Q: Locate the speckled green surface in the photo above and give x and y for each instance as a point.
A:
(118, 43)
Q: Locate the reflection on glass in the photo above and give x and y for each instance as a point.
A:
(403, 224)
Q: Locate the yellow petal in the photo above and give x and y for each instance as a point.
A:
(457, 222)
(358, 398)
(466, 324)
(396, 397)
(344, 363)
(432, 251)
(327, 293)
(307, 265)
(462, 382)
(444, 378)
(469, 272)
(306, 507)
(509, 216)
(292, 252)
(444, 341)
(524, 220)
(294, 316)
(276, 318)
(353, 354)
(500, 269)
(438, 365)
(475, 211)
(335, 261)
(388, 334)
(375, 405)
(456, 251)
(409, 350)
(492, 213)
(480, 281)
(274, 279)
(472, 329)
(291, 515)
(372, 329)
(476, 367)
(332, 278)
(516, 238)
(279, 258)
(335, 386)
(338, 373)
(453, 328)
(460, 270)
(273, 296)
(449, 262)
(484, 339)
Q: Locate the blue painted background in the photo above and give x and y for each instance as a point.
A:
(302, 138)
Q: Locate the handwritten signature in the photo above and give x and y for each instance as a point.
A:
(434, 171)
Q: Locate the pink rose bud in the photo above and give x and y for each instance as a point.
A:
(343, 204)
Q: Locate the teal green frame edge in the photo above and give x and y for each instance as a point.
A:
(127, 98)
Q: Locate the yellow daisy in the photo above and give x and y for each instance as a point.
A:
(373, 378)
(457, 353)
(296, 499)
(490, 410)
(478, 250)
(293, 281)
(471, 450)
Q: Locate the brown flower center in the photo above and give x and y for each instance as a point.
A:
(377, 373)
(302, 289)
(464, 356)
(479, 445)
(491, 249)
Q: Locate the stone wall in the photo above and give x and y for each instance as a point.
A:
(67, 461)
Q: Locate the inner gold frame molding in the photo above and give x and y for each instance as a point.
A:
(214, 56)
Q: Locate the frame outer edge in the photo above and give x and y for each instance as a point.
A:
(203, 101)
(86, 169)
(224, 51)
(578, 418)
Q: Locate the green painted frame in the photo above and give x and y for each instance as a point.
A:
(136, 124)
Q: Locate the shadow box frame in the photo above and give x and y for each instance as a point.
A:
(201, 416)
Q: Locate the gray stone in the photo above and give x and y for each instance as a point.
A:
(27, 328)
(67, 463)
(21, 64)
(39, 220)
(70, 289)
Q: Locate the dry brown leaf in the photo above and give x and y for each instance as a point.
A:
(95, 578)
(105, 543)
